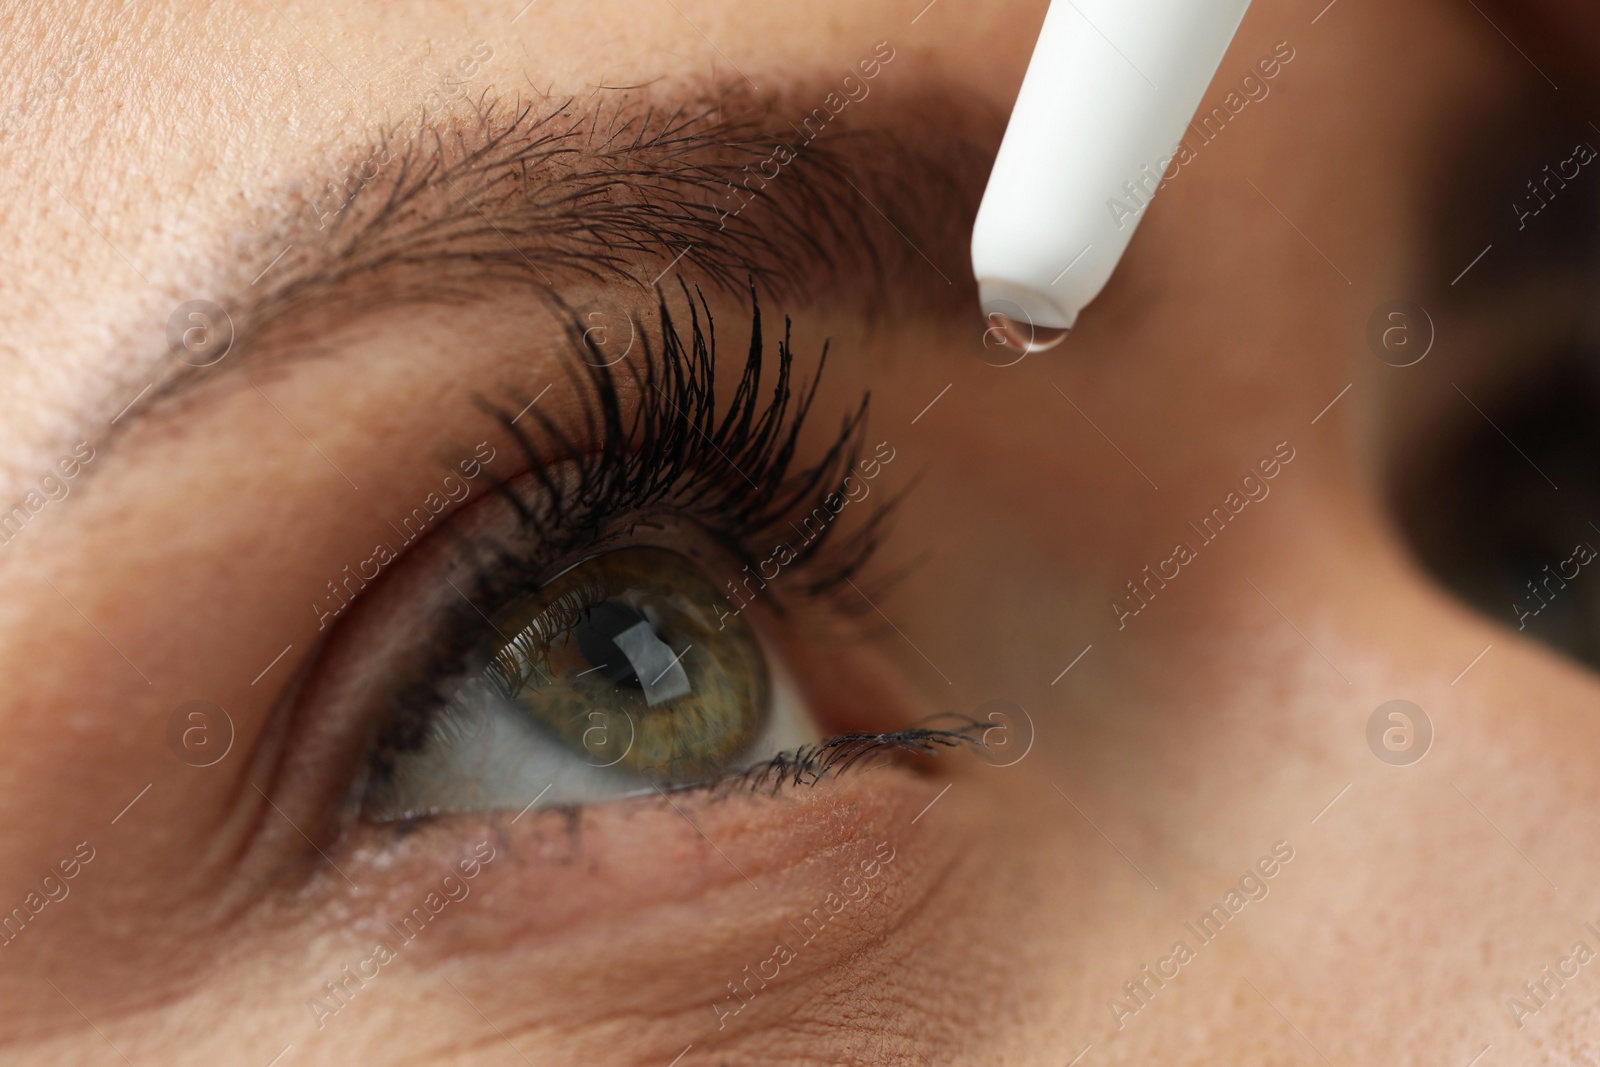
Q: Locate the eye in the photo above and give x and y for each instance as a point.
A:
(624, 673)
(611, 639)
(604, 619)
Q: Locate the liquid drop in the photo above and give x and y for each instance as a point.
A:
(1024, 337)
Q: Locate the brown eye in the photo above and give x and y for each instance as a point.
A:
(626, 672)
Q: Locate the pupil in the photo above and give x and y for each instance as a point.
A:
(624, 649)
(596, 634)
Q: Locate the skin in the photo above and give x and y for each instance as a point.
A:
(1229, 716)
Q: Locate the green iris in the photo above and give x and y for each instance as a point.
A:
(623, 659)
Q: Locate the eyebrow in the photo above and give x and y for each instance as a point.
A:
(815, 195)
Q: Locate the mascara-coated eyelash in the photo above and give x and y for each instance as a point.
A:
(654, 451)
(731, 474)
(810, 764)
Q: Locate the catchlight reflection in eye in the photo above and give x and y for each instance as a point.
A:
(615, 677)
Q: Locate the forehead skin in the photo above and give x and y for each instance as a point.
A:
(149, 147)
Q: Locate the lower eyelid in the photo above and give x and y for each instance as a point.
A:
(558, 872)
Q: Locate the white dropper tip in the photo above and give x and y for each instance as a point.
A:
(1023, 337)
(1097, 123)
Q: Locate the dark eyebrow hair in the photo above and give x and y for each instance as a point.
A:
(868, 207)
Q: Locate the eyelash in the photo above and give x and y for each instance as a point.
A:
(731, 475)
(812, 763)
(729, 471)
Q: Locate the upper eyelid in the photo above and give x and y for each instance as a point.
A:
(740, 458)
(675, 424)
(728, 460)
(738, 461)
